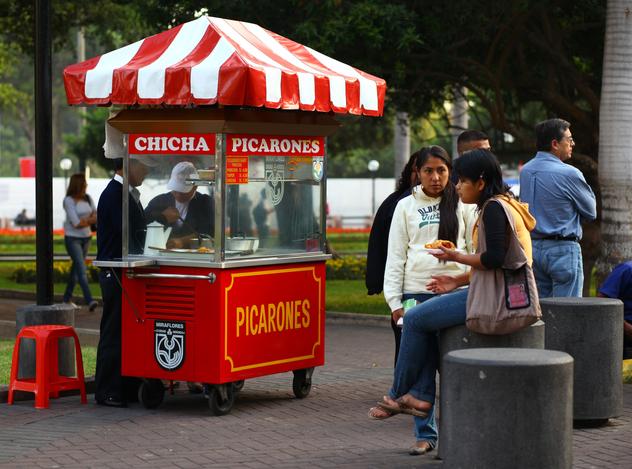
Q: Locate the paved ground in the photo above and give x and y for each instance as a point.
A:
(267, 427)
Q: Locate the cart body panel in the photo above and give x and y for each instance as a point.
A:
(249, 322)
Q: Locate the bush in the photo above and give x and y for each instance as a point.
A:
(346, 268)
(27, 273)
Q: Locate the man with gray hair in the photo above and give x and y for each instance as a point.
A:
(560, 199)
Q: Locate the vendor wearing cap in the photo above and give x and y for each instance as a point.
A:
(190, 213)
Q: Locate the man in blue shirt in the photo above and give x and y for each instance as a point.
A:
(560, 199)
(619, 285)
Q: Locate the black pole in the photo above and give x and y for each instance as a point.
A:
(43, 153)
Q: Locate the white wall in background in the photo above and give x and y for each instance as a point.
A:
(346, 197)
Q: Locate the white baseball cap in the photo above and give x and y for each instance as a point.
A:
(181, 172)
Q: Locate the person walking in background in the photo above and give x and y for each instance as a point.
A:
(80, 215)
(377, 250)
(432, 211)
(560, 199)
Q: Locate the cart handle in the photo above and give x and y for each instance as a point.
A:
(210, 277)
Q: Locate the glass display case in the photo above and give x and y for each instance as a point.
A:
(223, 198)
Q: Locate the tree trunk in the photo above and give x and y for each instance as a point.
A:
(459, 118)
(401, 139)
(615, 151)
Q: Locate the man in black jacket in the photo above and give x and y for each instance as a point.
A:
(111, 388)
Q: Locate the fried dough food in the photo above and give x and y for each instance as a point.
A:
(440, 243)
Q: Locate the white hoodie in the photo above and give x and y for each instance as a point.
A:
(415, 223)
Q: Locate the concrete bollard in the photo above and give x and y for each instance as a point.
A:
(508, 408)
(460, 337)
(35, 315)
(591, 331)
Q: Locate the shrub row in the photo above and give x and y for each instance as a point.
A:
(27, 273)
(346, 268)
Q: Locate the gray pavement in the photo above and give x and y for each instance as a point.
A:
(268, 427)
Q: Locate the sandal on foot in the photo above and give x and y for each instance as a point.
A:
(420, 447)
(401, 408)
(385, 413)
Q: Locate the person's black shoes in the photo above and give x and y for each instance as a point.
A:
(93, 305)
(111, 402)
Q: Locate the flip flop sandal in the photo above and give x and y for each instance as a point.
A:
(402, 408)
(388, 413)
(416, 450)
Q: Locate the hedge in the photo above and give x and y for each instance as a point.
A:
(346, 268)
(27, 273)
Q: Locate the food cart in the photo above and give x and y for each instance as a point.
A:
(235, 103)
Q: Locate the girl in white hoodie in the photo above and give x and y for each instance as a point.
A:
(432, 211)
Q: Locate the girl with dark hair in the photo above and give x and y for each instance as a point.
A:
(480, 183)
(432, 211)
(80, 215)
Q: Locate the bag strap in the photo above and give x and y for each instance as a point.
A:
(515, 253)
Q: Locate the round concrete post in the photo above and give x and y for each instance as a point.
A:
(460, 337)
(35, 315)
(508, 408)
(591, 331)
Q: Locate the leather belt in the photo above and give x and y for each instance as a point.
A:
(561, 238)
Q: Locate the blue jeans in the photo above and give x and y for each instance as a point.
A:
(558, 268)
(77, 250)
(425, 427)
(418, 359)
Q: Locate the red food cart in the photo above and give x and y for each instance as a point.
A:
(245, 296)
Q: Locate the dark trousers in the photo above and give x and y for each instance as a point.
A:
(108, 379)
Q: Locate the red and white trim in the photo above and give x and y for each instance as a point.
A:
(213, 60)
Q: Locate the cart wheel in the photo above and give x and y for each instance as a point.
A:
(239, 385)
(151, 393)
(302, 382)
(221, 398)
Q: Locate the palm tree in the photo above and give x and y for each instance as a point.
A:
(615, 146)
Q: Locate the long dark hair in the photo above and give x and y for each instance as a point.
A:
(448, 221)
(482, 164)
(404, 184)
(76, 185)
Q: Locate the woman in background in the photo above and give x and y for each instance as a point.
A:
(80, 215)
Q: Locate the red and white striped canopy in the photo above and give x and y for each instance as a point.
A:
(213, 60)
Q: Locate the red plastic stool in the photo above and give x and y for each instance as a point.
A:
(47, 382)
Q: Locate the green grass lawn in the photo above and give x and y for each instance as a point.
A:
(348, 242)
(88, 354)
(26, 245)
(350, 296)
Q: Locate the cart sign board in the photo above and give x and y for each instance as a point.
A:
(273, 317)
(172, 144)
(259, 145)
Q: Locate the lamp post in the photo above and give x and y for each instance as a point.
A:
(373, 166)
(65, 164)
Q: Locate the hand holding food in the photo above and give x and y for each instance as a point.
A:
(438, 244)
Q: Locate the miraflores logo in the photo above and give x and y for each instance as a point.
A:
(169, 342)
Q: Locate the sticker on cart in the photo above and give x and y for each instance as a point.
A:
(169, 344)
(318, 169)
(274, 176)
(237, 170)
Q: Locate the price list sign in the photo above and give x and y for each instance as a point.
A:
(237, 170)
